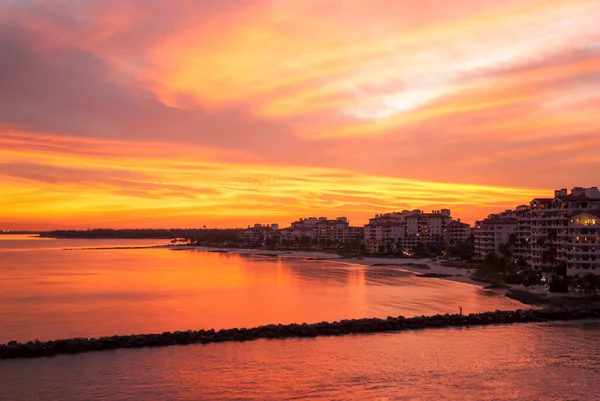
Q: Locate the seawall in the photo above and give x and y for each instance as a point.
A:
(36, 348)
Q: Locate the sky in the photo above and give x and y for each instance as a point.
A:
(148, 113)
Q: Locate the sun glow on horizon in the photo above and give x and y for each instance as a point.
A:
(125, 190)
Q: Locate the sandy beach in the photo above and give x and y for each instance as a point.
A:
(534, 295)
(416, 266)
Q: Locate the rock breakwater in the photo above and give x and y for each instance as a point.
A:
(37, 348)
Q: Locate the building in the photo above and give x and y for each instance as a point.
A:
(546, 231)
(521, 245)
(296, 236)
(337, 230)
(428, 229)
(323, 231)
(385, 233)
(458, 232)
(551, 216)
(258, 234)
(578, 245)
(492, 232)
(405, 231)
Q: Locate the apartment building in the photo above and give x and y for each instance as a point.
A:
(550, 217)
(521, 245)
(258, 234)
(289, 236)
(404, 231)
(336, 230)
(578, 245)
(458, 232)
(386, 232)
(549, 231)
(321, 229)
(429, 229)
(492, 232)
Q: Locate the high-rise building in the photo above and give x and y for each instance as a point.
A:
(492, 232)
(258, 234)
(578, 245)
(521, 245)
(429, 229)
(550, 217)
(386, 232)
(458, 232)
(551, 231)
(321, 229)
(404, 231)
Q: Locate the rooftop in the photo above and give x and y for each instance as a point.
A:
(507, 220)
(577, 194)
(459, 223)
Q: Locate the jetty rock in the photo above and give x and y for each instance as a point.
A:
(36, 348)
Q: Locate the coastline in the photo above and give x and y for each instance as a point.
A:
(420, 267)
(538, 296)
(416, 266)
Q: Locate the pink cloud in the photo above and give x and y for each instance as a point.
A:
(471, 94)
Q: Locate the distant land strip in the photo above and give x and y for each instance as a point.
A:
(115, 248)
(37, 348)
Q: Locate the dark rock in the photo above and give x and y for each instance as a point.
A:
(37, 348)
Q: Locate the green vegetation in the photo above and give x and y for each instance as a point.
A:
(588, 285)
(464, 250)
(208, 237)
(527, 297)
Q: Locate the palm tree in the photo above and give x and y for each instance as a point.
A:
(549, 260)
(491, 259)
(362, 248)
(389, 248)
(506, 256)
(399, 245)
(305, 241)
(512, 240)
(591, 284)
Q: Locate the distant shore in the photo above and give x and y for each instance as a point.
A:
(103, 248)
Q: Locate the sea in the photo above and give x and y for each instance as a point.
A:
(52, 289)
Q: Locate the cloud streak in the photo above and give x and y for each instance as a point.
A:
(111, 186)
(224, 112)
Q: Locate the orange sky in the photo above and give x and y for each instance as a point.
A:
(146, 113)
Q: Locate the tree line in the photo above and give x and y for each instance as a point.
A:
(198, 236)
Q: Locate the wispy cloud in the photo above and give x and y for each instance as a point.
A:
(113, 185)
(227, 111)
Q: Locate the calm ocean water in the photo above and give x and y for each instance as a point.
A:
(48, 292)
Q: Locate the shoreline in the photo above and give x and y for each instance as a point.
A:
(537, 296)
(35, 349)
(411, 265)
(107, 248)
(419, 267)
